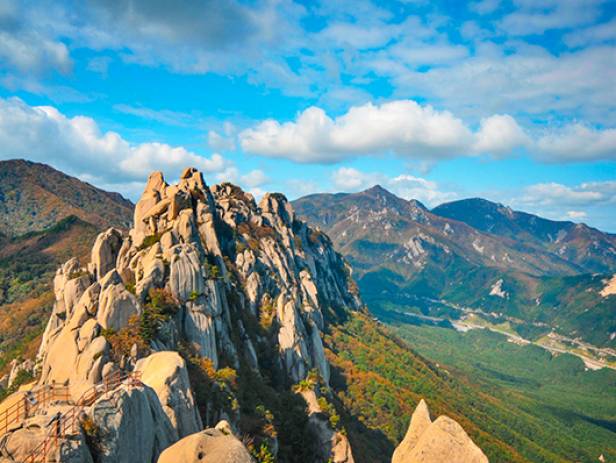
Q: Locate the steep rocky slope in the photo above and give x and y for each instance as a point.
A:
(408, 258)
(35, 196)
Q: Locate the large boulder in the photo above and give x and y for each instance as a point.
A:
(166, 373)
(420, 421)
(134, 426)
(436, 442)
(60, 359)
(24, 438)
(215, 445)
(105, 252)
(17, 445)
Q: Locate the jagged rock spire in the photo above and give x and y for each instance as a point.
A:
(440, 441)
(238, 275)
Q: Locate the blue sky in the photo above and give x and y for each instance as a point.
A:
(513, 101)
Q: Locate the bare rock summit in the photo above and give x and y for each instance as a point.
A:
(439, 441)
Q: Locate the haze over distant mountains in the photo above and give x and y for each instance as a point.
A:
(472, 252)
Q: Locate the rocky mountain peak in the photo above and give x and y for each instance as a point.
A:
(428, 441)
(380, 194)
(377, 190)
(233, 286)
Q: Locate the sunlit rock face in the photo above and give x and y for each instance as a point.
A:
(428, 441)
(237, 275)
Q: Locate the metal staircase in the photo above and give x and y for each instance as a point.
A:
(61, 425)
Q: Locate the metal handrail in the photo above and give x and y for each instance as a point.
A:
(67, 423)
(29, 403)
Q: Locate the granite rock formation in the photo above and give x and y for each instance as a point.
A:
(205, 272)
(428, 441)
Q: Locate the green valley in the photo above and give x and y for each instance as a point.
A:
(519, 403)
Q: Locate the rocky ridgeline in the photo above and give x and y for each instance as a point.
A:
(206, 272)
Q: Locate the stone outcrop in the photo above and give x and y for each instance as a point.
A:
(209, 273)
(165, 372)
(436, 442)
(105, 252)
(212, 445)
(27, 366)
(133, 425)
(420, 421)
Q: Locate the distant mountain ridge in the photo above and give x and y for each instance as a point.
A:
(35, 196)
(471, 253)
(421, 235)
(588, 247)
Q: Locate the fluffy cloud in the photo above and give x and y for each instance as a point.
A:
(500, 134)
(494, 71)
(485, 6)
(31, 53)
(254, 178)
(413, 131)
(604, 32)
(576, 215)
(403, 127)
(26, 49)
(191, 36)
(349, 179)
(77, 146)
(224, 141)
(520, 80)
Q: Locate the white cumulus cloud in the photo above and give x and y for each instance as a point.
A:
(410, 130)
(403, 127)
(500, 134)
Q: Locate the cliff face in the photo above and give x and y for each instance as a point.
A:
(242, 291)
